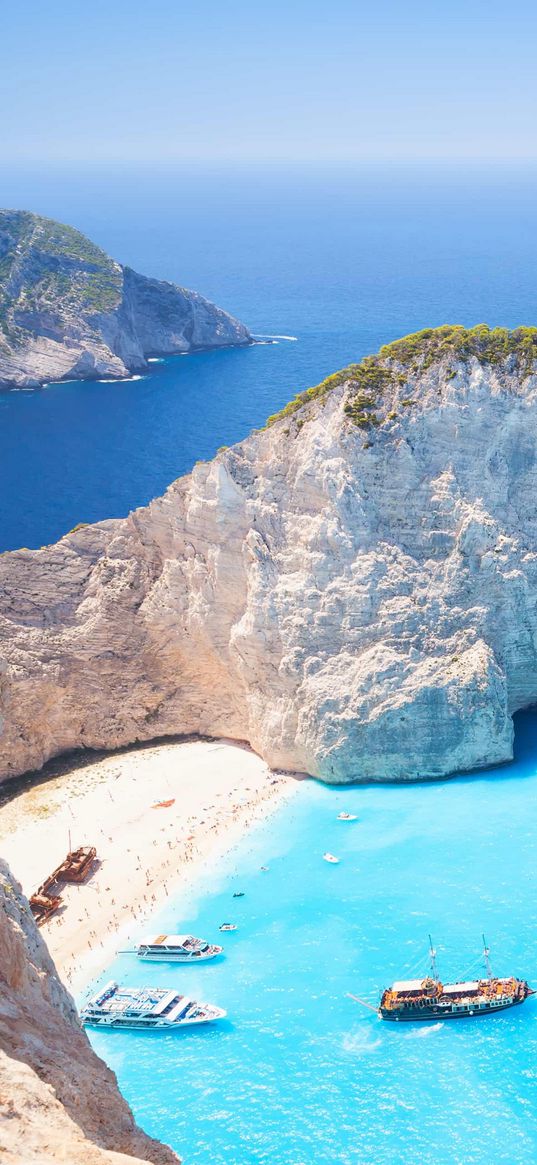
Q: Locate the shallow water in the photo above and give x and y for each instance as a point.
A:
(299, 1073)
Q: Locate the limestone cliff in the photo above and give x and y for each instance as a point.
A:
(69, 311)
(352, 590)
(58, 1100)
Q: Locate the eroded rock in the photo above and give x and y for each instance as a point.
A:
(352, 590)
(58, 1100)
(69, 311)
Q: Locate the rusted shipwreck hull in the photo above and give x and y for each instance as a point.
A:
(76, 867)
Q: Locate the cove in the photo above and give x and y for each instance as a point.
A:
(299, 1074)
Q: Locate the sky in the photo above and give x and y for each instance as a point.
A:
(225, 80)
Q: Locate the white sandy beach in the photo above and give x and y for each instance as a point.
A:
(219, 789)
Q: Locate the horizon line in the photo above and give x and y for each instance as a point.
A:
(241, 160)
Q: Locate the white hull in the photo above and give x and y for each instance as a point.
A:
(146, 1009)
(156, 1027)
(170, 957)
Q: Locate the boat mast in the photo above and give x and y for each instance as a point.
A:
(432, 954)
(486, 953)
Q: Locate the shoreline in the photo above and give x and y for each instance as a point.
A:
(158, 816)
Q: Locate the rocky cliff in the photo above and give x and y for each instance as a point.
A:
(58, 1101)
(352, 590)
(69, 311)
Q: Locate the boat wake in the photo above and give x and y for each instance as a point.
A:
(274, 339)
(119, 379)
(360, 1043)
(422, 1032)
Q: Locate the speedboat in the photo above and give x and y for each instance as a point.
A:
(146, 1008)
(176, 948)
(330, 858)
(347, 817)
(227, 926)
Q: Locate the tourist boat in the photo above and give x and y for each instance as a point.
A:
(429, 999)
(146, 1009)
(330, 858)
(176, 948)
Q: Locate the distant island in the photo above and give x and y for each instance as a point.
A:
(69, 311)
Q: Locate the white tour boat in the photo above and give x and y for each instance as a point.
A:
(176, 948)
(331, 858)
(146, 1008)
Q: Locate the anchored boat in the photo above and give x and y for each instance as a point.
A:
(176, 948)
(429, 999)
(146, 1008)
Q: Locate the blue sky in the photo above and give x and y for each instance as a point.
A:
(229, 79)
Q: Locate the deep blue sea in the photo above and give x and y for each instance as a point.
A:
(342, 258)
(299, 1074)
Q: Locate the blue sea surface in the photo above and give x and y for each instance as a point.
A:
(343, 258)
(299, 1074)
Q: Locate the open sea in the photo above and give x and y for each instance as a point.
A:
(344, 260)
(299, 1074)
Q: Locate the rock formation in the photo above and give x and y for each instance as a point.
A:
(68, 311)
(58, 1101)
(353, 590)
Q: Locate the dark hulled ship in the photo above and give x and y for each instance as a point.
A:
(429, 999)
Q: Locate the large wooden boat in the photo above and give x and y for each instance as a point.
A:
(429, 999)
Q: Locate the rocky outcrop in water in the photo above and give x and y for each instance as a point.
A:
(352, 590)
(58, 1101)
(68, 311)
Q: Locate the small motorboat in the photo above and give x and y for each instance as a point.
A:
(330, 858)
(227, 926)
(146, 1008)
(347, 817)
(239, 894)
(264, 869)
(176, 948)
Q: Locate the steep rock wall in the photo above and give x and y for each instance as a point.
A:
(356, 598)
(58, 1100)
(68, 310)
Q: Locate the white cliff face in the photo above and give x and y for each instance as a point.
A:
(58, 1100)
(69, 311)
(357, 603)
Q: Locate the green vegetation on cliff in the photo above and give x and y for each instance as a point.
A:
(489, 345)
(67, 310)
(413, 354)
(44, 263)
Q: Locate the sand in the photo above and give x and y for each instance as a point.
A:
(145, 851)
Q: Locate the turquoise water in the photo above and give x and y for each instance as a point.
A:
(343, 258)
(301, 1075)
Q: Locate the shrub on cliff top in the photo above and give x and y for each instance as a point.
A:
(490, 345)
(416, 353)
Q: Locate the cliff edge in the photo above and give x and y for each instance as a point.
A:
(353, 590)
(58, 1101)
(69, 311)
